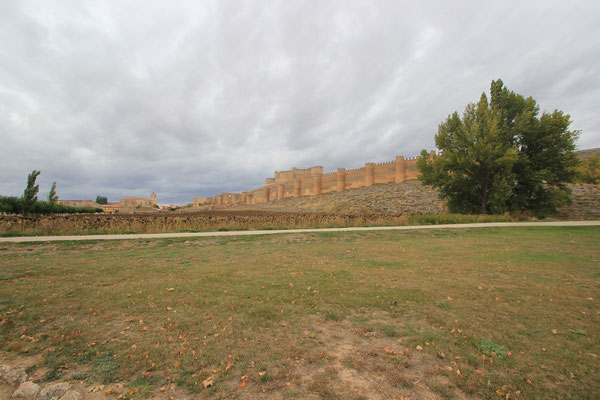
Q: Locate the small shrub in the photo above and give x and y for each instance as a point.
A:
(491, 349)
(52, 375)
(106, 369)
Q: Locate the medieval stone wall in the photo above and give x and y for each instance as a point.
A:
(312, 181)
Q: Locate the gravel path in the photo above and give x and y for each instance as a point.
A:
(24, 239)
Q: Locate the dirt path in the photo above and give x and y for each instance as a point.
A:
(280, 231)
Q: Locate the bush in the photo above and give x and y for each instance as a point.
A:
(440, 219)
(15, 205)
(588, 170)
(11, 205)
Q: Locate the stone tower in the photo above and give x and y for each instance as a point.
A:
(153, 199)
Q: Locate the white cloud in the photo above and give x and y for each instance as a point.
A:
(188, 98)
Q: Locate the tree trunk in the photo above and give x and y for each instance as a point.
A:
(484, 195)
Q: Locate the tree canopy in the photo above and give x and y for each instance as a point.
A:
(589, 170)
(52, 197)
(30, 192)
(101, 199)
(502, 155)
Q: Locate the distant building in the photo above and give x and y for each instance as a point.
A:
(198, 201)
(137, 204)
(135, 201)
(79, 203)
(128, 205)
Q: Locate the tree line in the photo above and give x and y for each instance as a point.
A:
(28, 204)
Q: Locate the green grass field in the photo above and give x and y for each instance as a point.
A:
(479, 313)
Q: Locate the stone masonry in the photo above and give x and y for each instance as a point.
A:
(313, 181)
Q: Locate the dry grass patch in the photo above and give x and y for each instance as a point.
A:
(431, 314)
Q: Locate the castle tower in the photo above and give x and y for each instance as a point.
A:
(400, 169)
(153, 199)
(317, 179)
(341, 179)
(369, 174)
(297, 187)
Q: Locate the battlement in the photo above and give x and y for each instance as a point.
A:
(355, 171)
(386, 163)
(314, 181)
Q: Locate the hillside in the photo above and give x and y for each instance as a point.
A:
(588, 152)
(410, 198)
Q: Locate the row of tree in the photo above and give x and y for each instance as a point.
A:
(29, 203)
(503, 156)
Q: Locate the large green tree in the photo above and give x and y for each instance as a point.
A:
(502, 156)
(30, 192)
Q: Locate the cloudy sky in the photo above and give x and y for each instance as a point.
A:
(194, 98)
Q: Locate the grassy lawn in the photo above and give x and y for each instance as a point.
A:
(481, 313)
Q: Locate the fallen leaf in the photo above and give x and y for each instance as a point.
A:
(96, 388)
(419, 347)
(207, 382)
(228, 366)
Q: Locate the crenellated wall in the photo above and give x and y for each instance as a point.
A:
(312, 181)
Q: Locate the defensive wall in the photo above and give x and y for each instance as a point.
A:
(313, 181)
(126, 205)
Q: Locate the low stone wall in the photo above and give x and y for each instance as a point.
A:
(586, 202)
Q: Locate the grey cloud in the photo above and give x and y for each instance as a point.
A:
(185, 99)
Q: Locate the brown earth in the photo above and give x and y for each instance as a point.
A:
(406, 198)
(412, 198)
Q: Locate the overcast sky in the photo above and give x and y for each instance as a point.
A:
(194, 98)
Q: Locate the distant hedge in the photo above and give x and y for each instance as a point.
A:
(14, 205)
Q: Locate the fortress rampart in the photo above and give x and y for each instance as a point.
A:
(313, 181)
